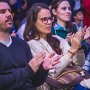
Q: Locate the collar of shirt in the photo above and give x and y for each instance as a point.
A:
(7, 43)
(58, 27)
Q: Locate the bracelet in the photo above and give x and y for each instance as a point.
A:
(71, 52)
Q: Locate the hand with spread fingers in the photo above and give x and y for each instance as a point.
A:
(76, 41)
(37, 61)
(85, 32)
(51, 61)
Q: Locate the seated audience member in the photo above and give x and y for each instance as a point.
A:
(39, 38)
(78, 19)
(18, 70)
(61, 11)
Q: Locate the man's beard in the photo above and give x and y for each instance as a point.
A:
(5, 30)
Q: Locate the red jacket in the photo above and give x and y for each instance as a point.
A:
(86, 6)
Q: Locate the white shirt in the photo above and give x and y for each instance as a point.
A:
(37, 46)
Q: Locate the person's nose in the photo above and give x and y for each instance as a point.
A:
(8, 13)
(49, 21)
(68, 11)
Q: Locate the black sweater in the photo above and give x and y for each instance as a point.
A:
(15, 73)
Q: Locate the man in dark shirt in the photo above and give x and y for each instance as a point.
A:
(18, 71)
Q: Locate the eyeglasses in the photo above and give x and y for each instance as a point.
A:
(46, 19)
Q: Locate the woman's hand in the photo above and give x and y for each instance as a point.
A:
(87, 33)
(77, 38)
(37, 61)
(76, 41)
(50, 61)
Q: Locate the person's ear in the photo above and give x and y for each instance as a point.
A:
(54, 11)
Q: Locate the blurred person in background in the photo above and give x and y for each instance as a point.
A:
(78, 19)
(61, 11)
(86, 12)
(77, 4)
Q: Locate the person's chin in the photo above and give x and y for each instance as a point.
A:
(9, 28)
(67, 20)
(48, 32)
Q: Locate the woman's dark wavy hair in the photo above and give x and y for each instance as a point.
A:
(54, 5)
(32, 14)
(31, 31)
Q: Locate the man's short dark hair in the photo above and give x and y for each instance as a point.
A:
(7, 1)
